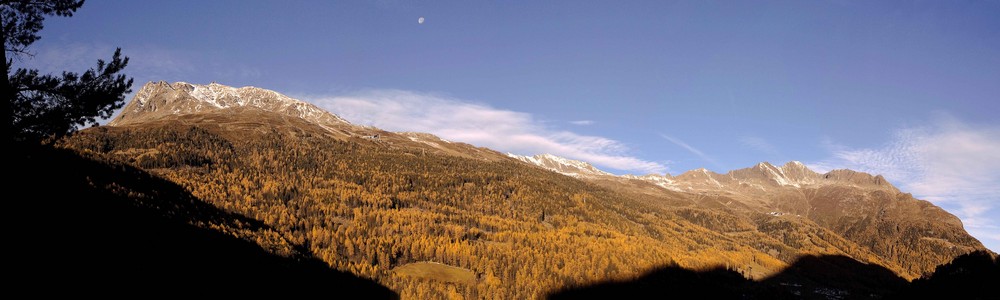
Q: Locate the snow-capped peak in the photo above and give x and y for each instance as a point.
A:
(561, 165)
(762, 176)
(665, 181)
(160, 99)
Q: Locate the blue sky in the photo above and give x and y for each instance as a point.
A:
(909, 89)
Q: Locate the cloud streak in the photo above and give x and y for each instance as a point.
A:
(582, 122)
(950, 163)
(481, 125)
(691, 149)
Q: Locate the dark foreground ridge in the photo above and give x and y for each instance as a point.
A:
(94, 227)
(971, 276)
(97, 228)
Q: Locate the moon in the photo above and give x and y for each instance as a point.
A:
(420, 20)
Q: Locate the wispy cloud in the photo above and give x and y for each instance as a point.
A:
(582, 122)
(761, 145)
(481, 125)
(72, 57)
(145, 62)
(953, 164)
(691, 149)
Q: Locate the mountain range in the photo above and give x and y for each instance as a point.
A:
(431, 217)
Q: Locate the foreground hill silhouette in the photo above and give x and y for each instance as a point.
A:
(971, 276)
(810, 277)
(105, 228)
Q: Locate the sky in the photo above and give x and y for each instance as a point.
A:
(907, 89)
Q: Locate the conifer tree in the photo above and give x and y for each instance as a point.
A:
(40, 107)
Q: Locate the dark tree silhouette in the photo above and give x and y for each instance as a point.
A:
(46, 107)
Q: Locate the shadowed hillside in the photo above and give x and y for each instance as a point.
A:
(836, 277)
(971, 276)
(108, 229)
(674, 282)
(810, 277)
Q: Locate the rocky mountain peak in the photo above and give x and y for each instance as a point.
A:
(790, 174)
(859, 179)
(561, 165)
(798, 172)
(158, 100)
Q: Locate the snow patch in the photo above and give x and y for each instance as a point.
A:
(661, 181)
(561, 165)
(777, 174)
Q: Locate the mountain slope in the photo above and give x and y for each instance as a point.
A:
(371, 202)
(912, 234)
(110, 223)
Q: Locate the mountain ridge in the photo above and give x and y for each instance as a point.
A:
(757, 218)
(561, 165)
(793, 173)
(158, 99)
